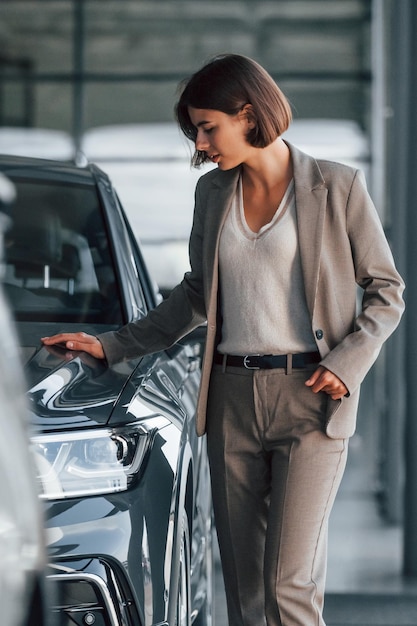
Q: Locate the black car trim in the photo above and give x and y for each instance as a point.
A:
(109, 606)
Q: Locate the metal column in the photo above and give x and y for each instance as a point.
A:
(78, 70)
(403, 159)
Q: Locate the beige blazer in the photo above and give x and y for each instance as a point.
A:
(342, 245)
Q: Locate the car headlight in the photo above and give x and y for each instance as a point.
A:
(99, 461)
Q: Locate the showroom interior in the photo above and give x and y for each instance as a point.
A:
(72, 68)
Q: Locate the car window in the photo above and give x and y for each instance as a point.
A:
(58, 261)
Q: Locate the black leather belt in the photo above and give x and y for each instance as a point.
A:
(267, 361)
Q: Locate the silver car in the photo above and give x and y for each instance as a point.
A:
(22, 564)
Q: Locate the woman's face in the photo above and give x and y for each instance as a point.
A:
(221, 136)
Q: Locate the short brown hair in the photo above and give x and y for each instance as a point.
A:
(227, 83)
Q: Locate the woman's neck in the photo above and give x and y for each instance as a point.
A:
(265, 178)
(268, 167)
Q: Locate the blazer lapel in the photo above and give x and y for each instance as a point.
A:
(310, 199)
(218, 205)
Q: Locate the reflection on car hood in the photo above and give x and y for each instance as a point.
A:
(72, 389)
(69, 389)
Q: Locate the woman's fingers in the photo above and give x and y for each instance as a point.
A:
(323, 379)
(77, 341)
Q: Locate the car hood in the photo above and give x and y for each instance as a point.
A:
(69, 389)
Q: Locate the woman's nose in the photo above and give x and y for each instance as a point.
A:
(201, 142)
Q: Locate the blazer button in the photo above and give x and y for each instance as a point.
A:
(319, 334)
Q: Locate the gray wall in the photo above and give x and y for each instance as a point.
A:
(135, 52)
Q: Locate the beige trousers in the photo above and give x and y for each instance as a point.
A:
(275, 475)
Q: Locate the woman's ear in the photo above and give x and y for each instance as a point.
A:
(249, 113)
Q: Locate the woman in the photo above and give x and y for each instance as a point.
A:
(279, 243)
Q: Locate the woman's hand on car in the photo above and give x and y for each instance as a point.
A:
(77, 341)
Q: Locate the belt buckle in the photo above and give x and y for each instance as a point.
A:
(246, 364)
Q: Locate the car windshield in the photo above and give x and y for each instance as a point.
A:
(58, 262)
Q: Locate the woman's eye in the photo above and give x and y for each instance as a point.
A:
(208, 130)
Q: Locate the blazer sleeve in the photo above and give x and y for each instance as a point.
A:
(382, 303)
(173, 318)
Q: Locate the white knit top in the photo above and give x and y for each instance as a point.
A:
(262, 294)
